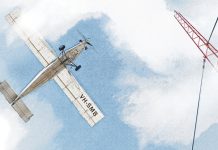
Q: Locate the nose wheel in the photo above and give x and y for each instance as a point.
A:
(78, 67)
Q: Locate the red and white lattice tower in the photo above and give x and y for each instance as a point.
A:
(209, 52)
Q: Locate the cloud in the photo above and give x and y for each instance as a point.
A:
(62, 15)
(162, 107)
(12, 132)
(42, 129)
(137, 27)
(36, 134)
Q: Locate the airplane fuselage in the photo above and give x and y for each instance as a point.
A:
(53, 68)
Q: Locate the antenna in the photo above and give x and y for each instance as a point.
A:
(210, 53)
(206, 49)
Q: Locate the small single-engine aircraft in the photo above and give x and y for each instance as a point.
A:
(54, 68)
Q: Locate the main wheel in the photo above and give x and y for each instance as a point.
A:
(77, 68)
(62, 47)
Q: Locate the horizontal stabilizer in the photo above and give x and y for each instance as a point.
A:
(19, 106)
(7, 91)
(22, 110)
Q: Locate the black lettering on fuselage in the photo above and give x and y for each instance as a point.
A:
(92, 109)
(83, 98)
(89, 105)
(95, 113)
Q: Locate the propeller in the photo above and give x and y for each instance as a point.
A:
(87, 40)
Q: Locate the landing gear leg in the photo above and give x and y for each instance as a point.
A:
(74, 65)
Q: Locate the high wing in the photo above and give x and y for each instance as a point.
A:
(78, 97)
(34, 41)
(67, 82)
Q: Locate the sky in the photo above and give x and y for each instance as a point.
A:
(144, 76)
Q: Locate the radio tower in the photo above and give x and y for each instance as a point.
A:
(210, 53)
(206, 48)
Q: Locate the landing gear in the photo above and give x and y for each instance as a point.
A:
(78, 67)
(69, 61)
(62, 47)
(74, 65)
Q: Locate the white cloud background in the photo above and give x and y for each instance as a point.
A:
(9, 126)
(15, 134)
(162, 107)
(42, 129)
(37, 133)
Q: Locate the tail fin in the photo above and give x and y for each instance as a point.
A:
(19, 106)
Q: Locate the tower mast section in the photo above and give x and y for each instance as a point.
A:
(210, 53)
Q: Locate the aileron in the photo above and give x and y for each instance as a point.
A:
(34, 41)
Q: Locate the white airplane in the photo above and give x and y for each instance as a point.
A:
(54, 68)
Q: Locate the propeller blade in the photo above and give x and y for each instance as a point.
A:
(83, 36)
(87, 40)
(89, 43)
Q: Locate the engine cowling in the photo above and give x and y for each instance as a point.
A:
(62, 47)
